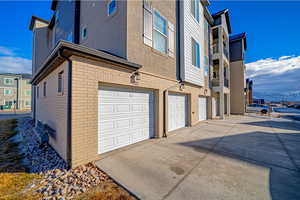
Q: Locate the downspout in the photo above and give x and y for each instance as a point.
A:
(178, 62)
(77, 22)
(69, 110)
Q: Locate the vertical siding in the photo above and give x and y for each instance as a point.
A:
(52, 109)
(192, 29)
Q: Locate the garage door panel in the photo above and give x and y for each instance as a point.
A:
(177, 109)
(202, 108)
(125, 116)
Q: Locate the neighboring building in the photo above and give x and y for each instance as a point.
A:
(15, 91)
(238, 46)
(249, 92)
(220, 61)
(125, 76)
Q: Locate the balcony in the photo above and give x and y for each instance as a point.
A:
(215, 82)
(215, 48)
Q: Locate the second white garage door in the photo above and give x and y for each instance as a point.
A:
(202, 108)
(177, 111)
(125, 116)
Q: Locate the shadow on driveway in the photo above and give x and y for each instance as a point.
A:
(262, 149)
(287, 125)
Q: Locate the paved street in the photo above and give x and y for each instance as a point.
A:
(238, 158)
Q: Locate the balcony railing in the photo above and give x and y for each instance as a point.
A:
(215, 82)
(226, 83)
(215, 48)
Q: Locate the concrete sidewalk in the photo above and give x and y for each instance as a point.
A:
(239, 158)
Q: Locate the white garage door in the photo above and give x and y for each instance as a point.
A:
(125, 116)
(202, 106)
(177, 111)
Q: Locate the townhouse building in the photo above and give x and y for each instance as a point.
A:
(15, 91)
(108, 74)
(238, 46)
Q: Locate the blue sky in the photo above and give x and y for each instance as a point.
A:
(272, 29)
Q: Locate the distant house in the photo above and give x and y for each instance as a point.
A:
(15, 91)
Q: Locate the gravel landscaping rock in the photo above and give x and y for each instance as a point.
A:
(37, 158)
(57, 182)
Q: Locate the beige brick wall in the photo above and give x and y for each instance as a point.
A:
(52, 109)
(87, 76)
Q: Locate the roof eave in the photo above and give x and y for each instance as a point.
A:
(69, 49)
(33, 19)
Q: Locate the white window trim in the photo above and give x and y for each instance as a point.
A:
(12, 81)
(107, 8)
(154, 29)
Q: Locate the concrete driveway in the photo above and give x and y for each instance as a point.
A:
(242, 157)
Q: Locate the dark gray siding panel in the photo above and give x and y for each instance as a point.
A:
(236, 50)
(41, 47)
(107, 33)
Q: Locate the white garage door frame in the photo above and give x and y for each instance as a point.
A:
(202, 108)
(125, 116)
(177, 111)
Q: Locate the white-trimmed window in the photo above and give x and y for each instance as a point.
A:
(195, 53)
(206, 66)
(28, 92)
(195, 9)
(37, 91)
(160, 33)
(27, 103)
(60, 82)
(8, 81)
(8, 92)
(84, 32)
(111, 7)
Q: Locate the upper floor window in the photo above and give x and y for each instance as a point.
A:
(8, 92)
(195, 53)
(8, 81)
(84, 33)
(60, 84)
(45, 89)
(206, 66)
(160, 37)
(28, 92)
(37, 91)
(195, 9)
(27, 103)
(111, 7)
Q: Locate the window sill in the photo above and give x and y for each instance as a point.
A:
(60, 94)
